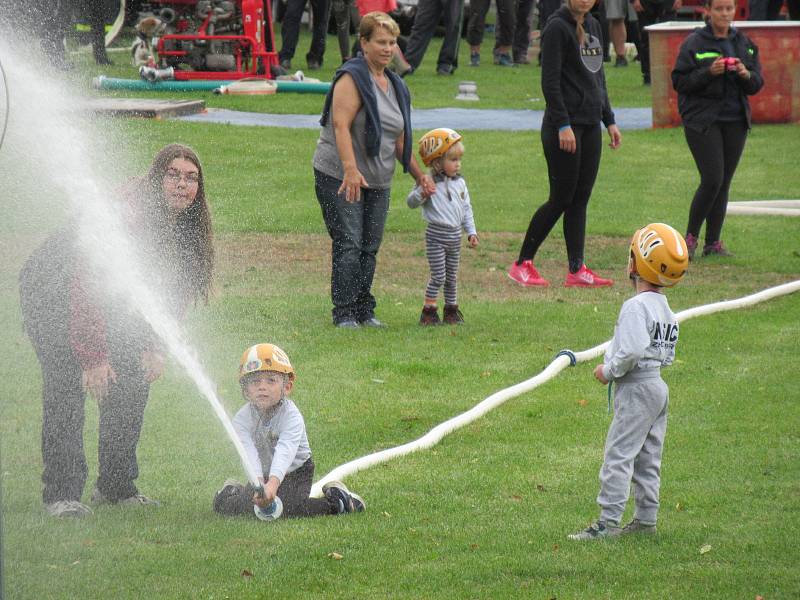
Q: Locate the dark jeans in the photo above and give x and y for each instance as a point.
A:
(343, 15)
(522, 31)
(652, 13)
(356, 230)
(506, 21)
(290, 29)
(425, 22)
(237, 499)
(572, 178)
(716, 154)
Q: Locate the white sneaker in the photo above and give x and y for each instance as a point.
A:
(67, 508)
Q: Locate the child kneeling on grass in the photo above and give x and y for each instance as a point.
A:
(644, 340)
(447, 211)
(273, 434)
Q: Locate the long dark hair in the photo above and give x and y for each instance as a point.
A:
(188, 239)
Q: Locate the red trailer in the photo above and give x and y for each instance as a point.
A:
(212, 39)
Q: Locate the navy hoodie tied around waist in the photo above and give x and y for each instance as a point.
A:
(357, 68)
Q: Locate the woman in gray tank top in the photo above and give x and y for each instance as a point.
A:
(366, 128)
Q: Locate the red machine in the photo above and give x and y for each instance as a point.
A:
(212, 39)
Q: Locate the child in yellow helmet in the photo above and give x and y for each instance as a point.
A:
(447, 212)
(273, 433)
(644, 340)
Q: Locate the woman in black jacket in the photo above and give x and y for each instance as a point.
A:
(576, 99)
(716, 69)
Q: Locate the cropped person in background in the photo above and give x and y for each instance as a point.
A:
(425, 23)
(716, 70)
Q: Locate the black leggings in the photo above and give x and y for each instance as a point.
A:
(572, 178)
(716, 153)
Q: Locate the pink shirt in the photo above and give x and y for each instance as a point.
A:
(368, 6)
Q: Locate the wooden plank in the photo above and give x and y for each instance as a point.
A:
(143, 107)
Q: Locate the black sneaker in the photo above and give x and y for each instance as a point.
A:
(621, 62)
(444, 70)
(343, 500)
(286, 65)
(372, 322)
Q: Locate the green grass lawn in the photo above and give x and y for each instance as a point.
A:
(486, 512)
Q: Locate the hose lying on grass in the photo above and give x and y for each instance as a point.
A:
(562, 360)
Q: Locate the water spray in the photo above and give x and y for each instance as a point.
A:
(49, 121)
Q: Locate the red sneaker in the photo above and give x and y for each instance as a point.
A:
(526, 274)
(585, 278)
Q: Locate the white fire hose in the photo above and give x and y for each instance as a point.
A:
(562, 360)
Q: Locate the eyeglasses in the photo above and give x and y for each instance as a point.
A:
(174, 176)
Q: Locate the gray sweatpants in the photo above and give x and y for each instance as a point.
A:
(633, 447)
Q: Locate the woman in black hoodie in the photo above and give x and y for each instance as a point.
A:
(716, 69)
(574, 89)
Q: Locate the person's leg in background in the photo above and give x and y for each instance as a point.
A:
(734, 136)
(427, 18)
(341, 14)
(373, 221)
(320, 15)
(522, 32)
(504, 32)
(616, 13)
(447, 62)
(290, 31)
(476, 26)
(707, 151)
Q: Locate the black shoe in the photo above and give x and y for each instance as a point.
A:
(286, 64)
(444, 70)
(342, 499)
(621, 62)
(314, 64)
(646, 79)
(371, 322)
(347, 324)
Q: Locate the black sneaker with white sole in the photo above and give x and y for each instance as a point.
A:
(342, 499)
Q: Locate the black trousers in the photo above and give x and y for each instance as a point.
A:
(572, 178)
(44, 284)
(237, 499)
(290, 29)
(652, 13)
(522, 31)
(716, 154)
(425, 22)
(506, 21)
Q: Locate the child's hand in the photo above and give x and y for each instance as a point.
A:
(598, 374)
(473, 240)
(428, 186)
(270, 491)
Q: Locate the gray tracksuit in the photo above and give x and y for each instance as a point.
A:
(645, 337)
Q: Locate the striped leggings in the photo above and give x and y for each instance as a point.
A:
(443, 249)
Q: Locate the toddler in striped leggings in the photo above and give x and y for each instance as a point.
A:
(447, 212)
